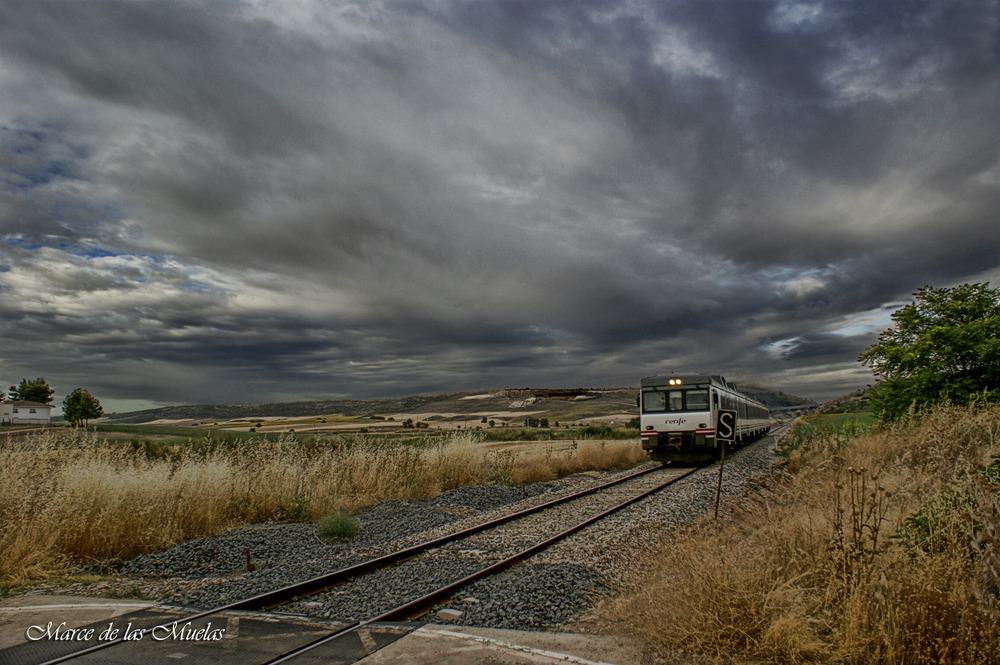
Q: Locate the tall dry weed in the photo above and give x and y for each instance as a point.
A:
(860, 556)
(581, 456)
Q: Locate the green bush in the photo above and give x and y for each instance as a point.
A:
(938, 525)
(991, 473)
(342, 526)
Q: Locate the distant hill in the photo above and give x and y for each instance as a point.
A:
(344, 407)
(773, 398)
(855, 402)
(555, 404)
(567, 404)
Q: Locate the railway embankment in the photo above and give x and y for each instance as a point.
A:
(864, 545)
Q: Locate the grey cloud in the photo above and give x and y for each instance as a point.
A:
(185, 58)
(829, 348)
(399, 197)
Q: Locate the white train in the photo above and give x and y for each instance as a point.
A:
(678, 415)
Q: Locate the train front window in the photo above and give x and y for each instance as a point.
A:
(697, 400)
(655, 401)
(652, 401)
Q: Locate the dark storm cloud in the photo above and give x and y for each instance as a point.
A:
(165, 57)
(255, 200)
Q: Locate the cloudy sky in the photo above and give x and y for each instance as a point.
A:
(267, 200)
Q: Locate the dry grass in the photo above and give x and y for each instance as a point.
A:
(872, 552)
(74, 498)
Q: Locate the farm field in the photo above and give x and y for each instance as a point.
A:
(451, 411)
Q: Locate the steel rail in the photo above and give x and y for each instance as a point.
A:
(419, 605)
(308, 587)
(280, 596)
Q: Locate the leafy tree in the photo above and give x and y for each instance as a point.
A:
(944, 345)
(80, 406)
(32, 391)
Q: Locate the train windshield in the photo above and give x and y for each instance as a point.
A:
(654, 401)
(697, 400)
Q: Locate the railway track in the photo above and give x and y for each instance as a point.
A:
(533, 529)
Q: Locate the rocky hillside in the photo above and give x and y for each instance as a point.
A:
(773, 398)
(565, 404)
(854, 402)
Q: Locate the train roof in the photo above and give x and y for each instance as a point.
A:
(688, 379)
(663, 379)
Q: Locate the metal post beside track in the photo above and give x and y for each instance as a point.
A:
(725, 431)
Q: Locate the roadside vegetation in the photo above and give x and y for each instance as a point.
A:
(867, 545)
(69, 497)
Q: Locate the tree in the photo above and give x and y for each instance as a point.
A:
(32, 391)
(945, 345)
(80, 406)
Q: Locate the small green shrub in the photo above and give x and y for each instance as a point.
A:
(938, 525)
(502, 467)
(338, 525)
(991, 473)
(297, 509)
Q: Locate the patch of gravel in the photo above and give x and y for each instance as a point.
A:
(394, 520)
(212, 571)
(488, 497)
(226, 554)
(534, 596)
(545, 592)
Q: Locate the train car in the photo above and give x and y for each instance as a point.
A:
(678, 413)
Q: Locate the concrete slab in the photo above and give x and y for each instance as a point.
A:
(18, 614)
(227, 638)
(437, 644)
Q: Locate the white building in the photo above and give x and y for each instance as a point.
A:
(24, 413)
